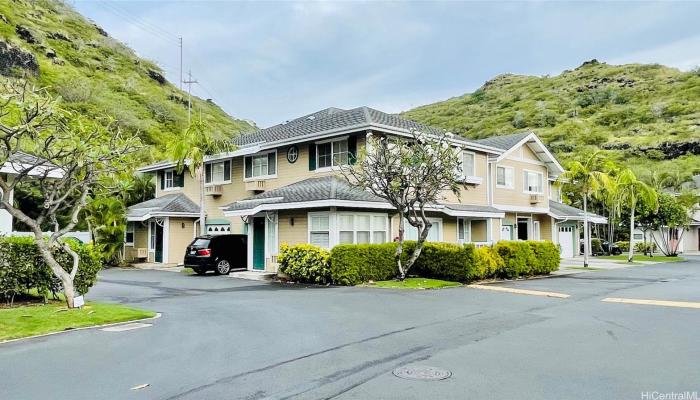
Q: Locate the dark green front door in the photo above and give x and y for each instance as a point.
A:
(159, 243)
(258, 243)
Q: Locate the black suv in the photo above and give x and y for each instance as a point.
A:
(218, 253)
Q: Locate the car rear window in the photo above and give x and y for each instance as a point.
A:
(200, 242)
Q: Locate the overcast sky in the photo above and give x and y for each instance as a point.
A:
(273, 61)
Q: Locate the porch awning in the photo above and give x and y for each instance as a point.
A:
(563, 211)
(171, 205)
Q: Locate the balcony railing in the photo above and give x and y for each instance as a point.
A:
(214, 190)
(536, 198)
(255, 186)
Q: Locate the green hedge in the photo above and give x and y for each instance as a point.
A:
(22, 268)
(305, 263)
(623, 245)
(352, 264)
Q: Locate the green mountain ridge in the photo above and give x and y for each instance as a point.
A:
(97, 76)
(644, 116)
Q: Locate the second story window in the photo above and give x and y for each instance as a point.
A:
(332, 154)
(504, 177)
(217, 172)
(533, 182)
(261, 166)
(468, 165)
(170, 180)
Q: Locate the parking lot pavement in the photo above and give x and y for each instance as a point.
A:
(234, 339)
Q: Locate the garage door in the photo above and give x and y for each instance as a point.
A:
(566, 241)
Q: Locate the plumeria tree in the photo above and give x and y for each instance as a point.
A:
(412, 174)
(670, 220)
(191, 151)
(65, 157)
(587, 178)
(631, 192)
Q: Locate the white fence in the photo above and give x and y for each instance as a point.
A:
(82, 236)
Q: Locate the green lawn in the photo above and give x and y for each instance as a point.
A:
(414, 283)
(17, 322)
(641, 257)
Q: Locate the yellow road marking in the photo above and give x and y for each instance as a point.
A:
(663, 303)
(520, 291)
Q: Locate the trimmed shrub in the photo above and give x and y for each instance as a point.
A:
(641, 247)
(546, 257)
(596, 246)
(352, 264)
(447, 261)
(487, 263)
(305, 263)
(518, 259)
(623, 245)
(22, 268)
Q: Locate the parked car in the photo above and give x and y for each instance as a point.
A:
(218, 253)
(615, 250)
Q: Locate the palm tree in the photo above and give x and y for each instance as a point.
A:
(191, 151)
(588, 178)
(632, 191)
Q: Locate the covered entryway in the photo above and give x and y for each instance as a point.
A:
(566, 241)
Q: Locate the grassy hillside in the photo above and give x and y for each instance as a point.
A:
(96, 75)
(642, 115)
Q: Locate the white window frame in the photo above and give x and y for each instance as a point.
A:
(433, 221)
(130, 228)
(507, 185)
(222, 182)
(536, 234)
(525, 181)
(261, 177)
(310, 230)
(473, 171)
(355, 229)
(172, 186)
(332, 142)
(467, 224)
(152, 236)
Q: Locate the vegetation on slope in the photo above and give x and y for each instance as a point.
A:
(98, 76)
(641, 115)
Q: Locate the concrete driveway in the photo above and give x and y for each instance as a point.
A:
(224, 338)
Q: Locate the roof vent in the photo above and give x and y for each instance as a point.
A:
(312, 117)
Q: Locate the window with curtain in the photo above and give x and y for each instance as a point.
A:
(217, 172)
(332, 154)
(468, 164)
(533, 182)
(379, 225)
(504, 177)
(411, 232)
(261, 165)
(319, 230)
(129, 236)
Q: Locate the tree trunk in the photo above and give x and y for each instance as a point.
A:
(631, 249)
(419, 247)
(586, 243)
(399, 248)
(58, 271)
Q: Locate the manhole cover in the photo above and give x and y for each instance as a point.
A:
(422, 373)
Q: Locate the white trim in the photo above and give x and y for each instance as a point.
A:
(162, 214)
(371, 229)
(533, 136)
(133, 233)
(312, 214)
(536, 233)
(249, 230)
(535, 210)
(306, 204)
(333, 139)
(166, 241)
(432, 221)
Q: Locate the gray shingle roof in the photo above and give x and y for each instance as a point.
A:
(171, 203)
(503, 142)
(561, 210)
(312, 189)
(333, 119)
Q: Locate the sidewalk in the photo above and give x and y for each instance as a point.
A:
(574, 265)
(159, 267)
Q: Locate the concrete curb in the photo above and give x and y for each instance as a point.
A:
(158, 315)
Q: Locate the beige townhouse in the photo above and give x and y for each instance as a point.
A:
(283, 185)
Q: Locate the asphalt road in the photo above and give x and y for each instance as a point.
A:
(224, 338)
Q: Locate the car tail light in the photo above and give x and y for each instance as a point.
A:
(204, 252)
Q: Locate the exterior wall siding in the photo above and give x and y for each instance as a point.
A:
(140, 241)
(520, 162)
(180, 235)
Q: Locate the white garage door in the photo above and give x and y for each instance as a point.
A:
(566, 241)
